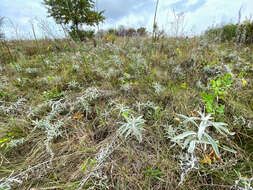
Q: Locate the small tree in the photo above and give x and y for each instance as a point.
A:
(74, 12)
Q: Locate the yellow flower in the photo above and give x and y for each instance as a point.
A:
(109, 37)
(244, 82)
(179, 51)
(206, 160)
(183, 85)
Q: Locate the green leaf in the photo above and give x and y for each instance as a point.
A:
(4, 140)
(158, 178)
(126, 114)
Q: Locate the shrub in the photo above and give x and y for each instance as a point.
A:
(242, 33)
(81, 34)
(142, 31)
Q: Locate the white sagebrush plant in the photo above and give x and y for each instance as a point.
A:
(132, 126)
(191, 138)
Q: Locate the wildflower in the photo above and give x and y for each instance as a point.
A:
(179, 51)
(206, 160)
(78, 116)
(109, 37)
(244, 82)
(183, 85)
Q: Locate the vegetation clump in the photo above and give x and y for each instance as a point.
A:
(240, 33)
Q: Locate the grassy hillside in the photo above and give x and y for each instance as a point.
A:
(125, 116)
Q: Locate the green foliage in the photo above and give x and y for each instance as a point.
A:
(233, 32)
(53, 94)
(155, 174)
(81, 34)
(218, 88)
(88, 162)
(122, 31)
(74, 12)
(142, 31)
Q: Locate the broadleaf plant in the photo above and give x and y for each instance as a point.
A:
(192, 138)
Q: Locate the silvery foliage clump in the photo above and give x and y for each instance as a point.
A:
(188, 163)
(101, 159)
(228, 70)
(111, 72)
(10, 107)
(76, 68)
(125, 87)
(33, 71)
(191, 138)
(250, 125)
(73, 84)
(15, 142)
(200, 85)
(239, 121)
(91, 93)
(177, 70)
(141, 106)
(35, 111)
(116, 60)
(132, 125)
(243, 183)
(158, 88)
(8, 182)
(3, 68)
(170, 131)
(17, 67)
(99, 181)
(214, 70)
(50, 64)
(52, 130)
(51, 127)
(138, 64)
(121, 108)
(82, 102)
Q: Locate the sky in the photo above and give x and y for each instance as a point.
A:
(175, 17)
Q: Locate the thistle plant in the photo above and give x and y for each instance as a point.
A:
(132, 126)
(192, 137)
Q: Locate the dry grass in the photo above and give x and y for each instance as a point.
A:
(53, 78)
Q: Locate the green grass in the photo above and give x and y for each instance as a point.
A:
(74, 98)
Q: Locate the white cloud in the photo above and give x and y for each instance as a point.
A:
(191, 2)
